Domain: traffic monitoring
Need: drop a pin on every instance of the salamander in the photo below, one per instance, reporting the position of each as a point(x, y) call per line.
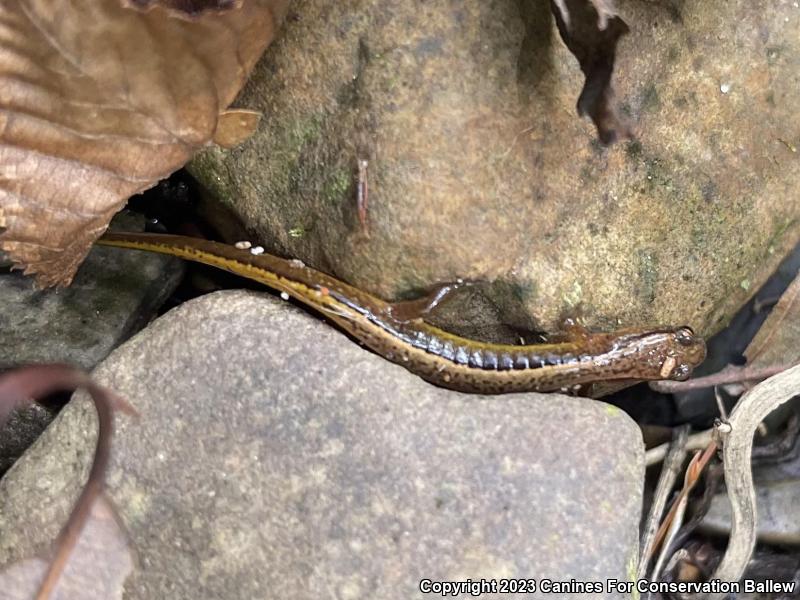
point(398, 331)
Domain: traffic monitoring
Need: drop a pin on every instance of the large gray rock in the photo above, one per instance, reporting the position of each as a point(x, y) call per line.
point(274, 458)
point(480, 168)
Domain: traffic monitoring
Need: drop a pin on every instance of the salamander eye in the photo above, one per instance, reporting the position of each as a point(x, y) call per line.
point(680, 373)
point(685, 336)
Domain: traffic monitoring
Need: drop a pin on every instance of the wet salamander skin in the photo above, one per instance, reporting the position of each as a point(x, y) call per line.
point(435, 355)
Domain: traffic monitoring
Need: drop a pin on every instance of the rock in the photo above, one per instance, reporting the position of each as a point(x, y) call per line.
point(778, 513)
point(275, 458)
point(113, 295)
point(21, 430)
point(479, 167)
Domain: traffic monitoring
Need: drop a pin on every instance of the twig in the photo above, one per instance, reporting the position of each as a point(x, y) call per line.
point(730, 374)
point(669, 474)
point(674, 526)
point(362, 195)
point(672, 522)
point(723, 414)
point(21, 386)
point(696, 441)
point(712, 478)
point(737, 450)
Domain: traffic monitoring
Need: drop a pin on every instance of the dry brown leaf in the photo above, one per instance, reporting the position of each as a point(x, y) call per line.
point(776, 341)
point(186, 7)
point(234, 126)
point(97, 567)
point(591, 30)
point(99, 101)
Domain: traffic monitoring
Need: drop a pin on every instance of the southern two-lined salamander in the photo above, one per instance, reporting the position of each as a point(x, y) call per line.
point(436, 355)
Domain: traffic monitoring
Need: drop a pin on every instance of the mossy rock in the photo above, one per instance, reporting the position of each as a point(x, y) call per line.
point(479, 167)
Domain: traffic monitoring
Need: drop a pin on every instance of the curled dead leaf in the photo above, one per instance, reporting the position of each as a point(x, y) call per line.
point(235, 126)
point(186, 7)
point(100, 101)
point(591, 30)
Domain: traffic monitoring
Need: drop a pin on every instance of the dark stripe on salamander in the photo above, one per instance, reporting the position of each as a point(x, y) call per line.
point(476, 358)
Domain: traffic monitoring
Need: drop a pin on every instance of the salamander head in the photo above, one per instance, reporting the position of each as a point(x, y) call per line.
point(683, 352)
point(668, 353)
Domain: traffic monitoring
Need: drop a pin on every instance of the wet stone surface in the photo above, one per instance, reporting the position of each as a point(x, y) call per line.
point(114, 293)
point(276, 458)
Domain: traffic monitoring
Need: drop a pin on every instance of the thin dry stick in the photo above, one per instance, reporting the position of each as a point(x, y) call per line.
point(730, 374)
point(693, 472)
point(674, 526)
point(669, 474)
point(696, 441)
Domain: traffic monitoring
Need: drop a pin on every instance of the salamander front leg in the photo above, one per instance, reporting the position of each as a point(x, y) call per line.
point(570, 331)
point(411, 310)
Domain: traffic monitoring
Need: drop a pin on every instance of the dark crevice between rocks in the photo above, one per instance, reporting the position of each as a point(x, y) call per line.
point(25, 425)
